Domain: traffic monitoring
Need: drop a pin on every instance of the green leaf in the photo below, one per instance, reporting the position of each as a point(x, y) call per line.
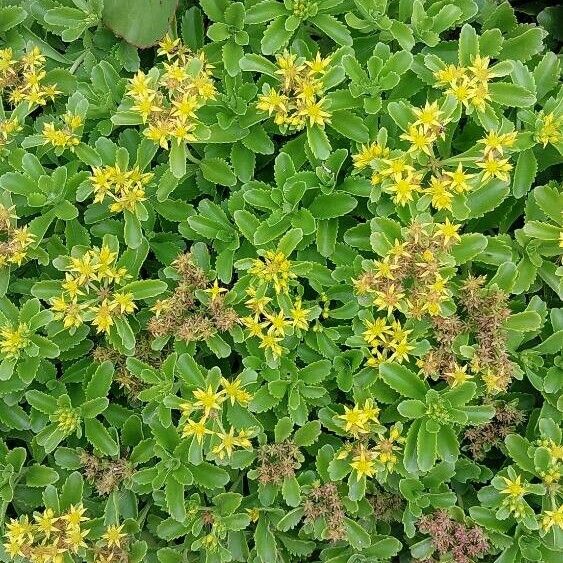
point(209, 476)
point(265, 542)
point(350, 126)
point(174, 493)
point(217, 171)
point(468, 247)
point(178, 159)
point(318, 142)
point(403, 380)
point(527, 321)
point(336, 204)
point(99, 437)
point(512, 95)
point(40, 476)
point(307, 435)
point(426, 448)
point(524, 173)
point(145, 289)
point(140, 22)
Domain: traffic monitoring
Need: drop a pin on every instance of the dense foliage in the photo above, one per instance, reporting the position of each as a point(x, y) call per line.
point(280, 281)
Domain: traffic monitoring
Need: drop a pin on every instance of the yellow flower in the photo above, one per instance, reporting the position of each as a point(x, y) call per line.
point(441, 197)
point(403, 189)
point(396, 167)
point(493, 168)
point(318, 65)
point(235, 392)
point(515, 489)
point(113, 535)
point(448, 231)
point(550, 129)
point(458, 375)
point(552, 518)
point(459, 179)
point(75, 515)
point(75, 539)
point(384, 268)
point(428, 116)
point(46, 521)
point(227, 444)
point(69, 312)
point(271, 342)
point(288, 68)
point(401, 350)
point(14, 340)
point(367, 153)
point(254, 326)
point(461, 90)
point(299, 316)
point(448, 75)
point(278, 324)
point(273, 101)
point(67, 419)
point(496, 142)
point(388, 299)
point(480, 68)
point(208, 400)
point(314, 112)
point(363, 464)
point(197, 429)
point(215, 291)
point(420, 139)
point(124, 302)
point(355, 420)
point(103, 316)
point(376, 331)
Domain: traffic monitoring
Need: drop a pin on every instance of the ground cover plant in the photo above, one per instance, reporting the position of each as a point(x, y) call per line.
point(280, 281)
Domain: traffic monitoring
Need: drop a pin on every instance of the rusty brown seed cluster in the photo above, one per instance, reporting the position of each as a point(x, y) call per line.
point(387, 506)
point(105, 474)
point(484, 312)
point(324, 502)
point(482, 438)
point(278, 462)
point(462, 543)
point(183, 316)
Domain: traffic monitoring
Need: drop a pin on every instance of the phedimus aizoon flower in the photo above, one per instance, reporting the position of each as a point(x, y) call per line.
point(420, 174)
point(203, 419)
point(275, 307)
point(298, 100)
point(94, 290)
point(15, 242)
point(168, 98)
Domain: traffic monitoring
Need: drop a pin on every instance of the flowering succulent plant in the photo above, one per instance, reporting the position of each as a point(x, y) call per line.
point(280, 281)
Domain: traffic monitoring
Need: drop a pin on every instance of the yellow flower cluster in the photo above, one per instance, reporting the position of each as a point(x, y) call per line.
point(7, 128)
point(208, 403)
point(551, 518)
point(14, 241)
point(549, 129)
point(265, 322)
point(65, 136)
point(125, 187)
point(67, 419)
point(169, 104)
point(362, 423)
point(514, 492)
point(13, 340)
point(299, 101)
point(48, 537)
point(409, 279)
point(387, 341)
point(402, 174)
point(88, 292)
point(24, 78)
point(468, 85)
